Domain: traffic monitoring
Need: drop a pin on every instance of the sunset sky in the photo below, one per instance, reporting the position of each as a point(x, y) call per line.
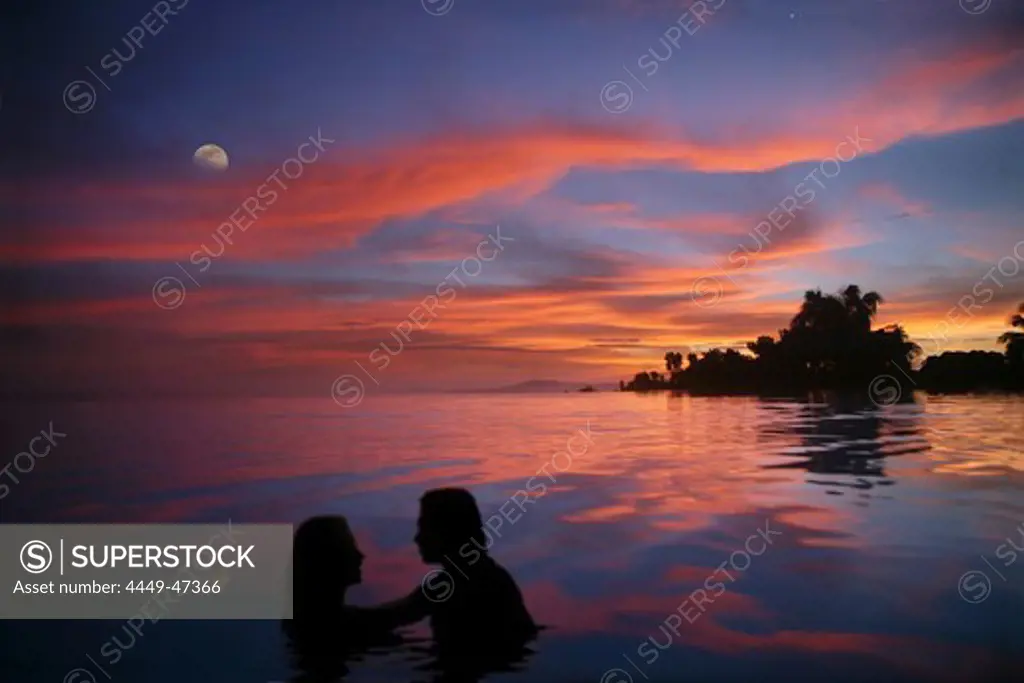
point(619, 188)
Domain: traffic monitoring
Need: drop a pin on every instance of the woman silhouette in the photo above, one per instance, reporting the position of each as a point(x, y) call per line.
point(324, 633)
point(325, 562)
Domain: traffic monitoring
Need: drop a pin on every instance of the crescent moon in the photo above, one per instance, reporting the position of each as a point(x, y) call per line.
point(211, 156)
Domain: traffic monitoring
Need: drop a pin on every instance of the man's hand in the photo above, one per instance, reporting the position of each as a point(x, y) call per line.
point(407, 610)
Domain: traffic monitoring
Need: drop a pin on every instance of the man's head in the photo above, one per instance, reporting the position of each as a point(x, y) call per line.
point(449, 518)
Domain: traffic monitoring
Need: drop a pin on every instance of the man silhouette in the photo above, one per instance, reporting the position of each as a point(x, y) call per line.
point(477, 614)
point(482, 596)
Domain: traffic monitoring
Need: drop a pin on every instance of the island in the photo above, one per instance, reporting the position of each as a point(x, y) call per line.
point(830, 345)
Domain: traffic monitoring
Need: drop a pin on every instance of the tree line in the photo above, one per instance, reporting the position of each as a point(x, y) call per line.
point(830, 345)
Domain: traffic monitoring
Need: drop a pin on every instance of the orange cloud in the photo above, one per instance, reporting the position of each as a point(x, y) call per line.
point(331, 206)
point(889, 195)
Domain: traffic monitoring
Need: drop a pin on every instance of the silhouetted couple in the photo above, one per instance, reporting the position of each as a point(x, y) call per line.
point(477, 614)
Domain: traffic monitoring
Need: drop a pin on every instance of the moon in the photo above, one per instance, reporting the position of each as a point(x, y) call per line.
point(211, 156)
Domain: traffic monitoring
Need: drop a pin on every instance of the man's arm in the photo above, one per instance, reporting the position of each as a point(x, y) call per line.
point(400, 612)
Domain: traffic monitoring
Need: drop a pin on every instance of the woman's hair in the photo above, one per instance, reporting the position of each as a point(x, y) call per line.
point(322, 547)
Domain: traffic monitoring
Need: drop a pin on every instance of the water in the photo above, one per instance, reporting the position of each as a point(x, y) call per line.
point(874, 517)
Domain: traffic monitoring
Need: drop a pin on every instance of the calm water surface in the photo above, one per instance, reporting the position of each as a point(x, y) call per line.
point(874, 517)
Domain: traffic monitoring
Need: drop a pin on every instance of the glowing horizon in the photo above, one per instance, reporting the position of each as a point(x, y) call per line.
point(667, 225)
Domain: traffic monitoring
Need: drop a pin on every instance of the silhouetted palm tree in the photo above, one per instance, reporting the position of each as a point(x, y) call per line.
point(1014, 341)
point(861, 309)
point(848, 308)
point(673, 361)
point(811, 310)
point(828, 337)
point(763, 347)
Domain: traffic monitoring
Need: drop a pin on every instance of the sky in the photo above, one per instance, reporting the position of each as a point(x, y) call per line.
point(454, 194)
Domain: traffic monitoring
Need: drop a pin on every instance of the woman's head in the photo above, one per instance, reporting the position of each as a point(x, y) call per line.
point(325, 558)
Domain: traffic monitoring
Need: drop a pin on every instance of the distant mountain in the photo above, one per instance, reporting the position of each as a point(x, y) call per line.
point(536, 386)
point(546, 386)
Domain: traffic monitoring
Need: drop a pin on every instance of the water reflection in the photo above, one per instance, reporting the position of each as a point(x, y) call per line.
point(881, 511)
point(319, 661)
point(849, 437)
